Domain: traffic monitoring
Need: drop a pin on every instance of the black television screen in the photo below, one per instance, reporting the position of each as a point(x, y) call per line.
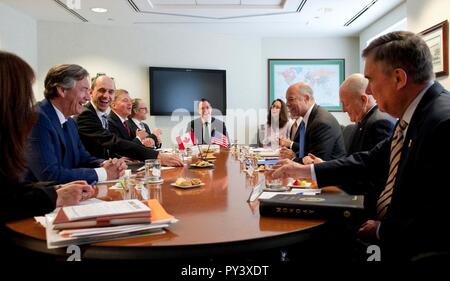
point(175, 88)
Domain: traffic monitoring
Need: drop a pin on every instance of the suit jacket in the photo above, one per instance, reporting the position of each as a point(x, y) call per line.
point(49, 154)
point(196, 125)
point(27, 200)
point(375, 127)
point(323, 136)
point(101, 142)
point(117, 128)
point(134, 127)
point(419, 204)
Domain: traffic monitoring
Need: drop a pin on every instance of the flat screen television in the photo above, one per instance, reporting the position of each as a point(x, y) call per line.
point(175, 88)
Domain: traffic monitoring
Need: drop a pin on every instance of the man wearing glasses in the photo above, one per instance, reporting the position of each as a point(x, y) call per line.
point(136, 119)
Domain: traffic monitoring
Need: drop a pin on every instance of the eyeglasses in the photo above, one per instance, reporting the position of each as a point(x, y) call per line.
point(143, 108)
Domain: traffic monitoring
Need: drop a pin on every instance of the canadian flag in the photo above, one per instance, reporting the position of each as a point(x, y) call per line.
point(186, 140)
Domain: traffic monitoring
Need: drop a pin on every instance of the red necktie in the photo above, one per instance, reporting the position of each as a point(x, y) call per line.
point(125, 124)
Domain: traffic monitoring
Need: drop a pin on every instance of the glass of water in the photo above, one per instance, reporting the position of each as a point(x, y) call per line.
point(152, 170)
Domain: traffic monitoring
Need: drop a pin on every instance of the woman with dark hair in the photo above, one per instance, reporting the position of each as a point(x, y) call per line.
point(277, 124)
point(17, 116)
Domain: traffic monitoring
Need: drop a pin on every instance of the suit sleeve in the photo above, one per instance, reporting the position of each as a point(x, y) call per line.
point(26, 200)
point(324, 140)
point(43, 161)
point(86, 159)
point(356, 167)
point(381, 130)
point(93, 131)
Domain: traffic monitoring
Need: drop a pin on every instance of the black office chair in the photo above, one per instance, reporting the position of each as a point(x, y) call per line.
point(347, 133)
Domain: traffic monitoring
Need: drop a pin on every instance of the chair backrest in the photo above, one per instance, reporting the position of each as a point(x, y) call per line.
point(347, 133)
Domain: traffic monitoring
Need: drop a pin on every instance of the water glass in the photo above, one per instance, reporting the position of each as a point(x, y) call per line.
point(152, 170)
point(272, 182)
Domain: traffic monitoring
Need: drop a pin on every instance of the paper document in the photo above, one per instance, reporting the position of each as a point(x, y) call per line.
point(299, 191)
point(105, 209)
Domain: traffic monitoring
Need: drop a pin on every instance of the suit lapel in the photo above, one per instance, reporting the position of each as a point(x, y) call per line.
point(133, 127)
point(311, 117)
point(48, 109)
point(71, 133)
point(119, 124)
point(415, 125)
point(147, 129)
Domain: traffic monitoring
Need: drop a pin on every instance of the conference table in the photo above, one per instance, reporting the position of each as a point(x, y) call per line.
point(215, 219)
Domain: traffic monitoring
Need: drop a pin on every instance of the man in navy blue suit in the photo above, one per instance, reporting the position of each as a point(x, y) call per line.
point(56, 152)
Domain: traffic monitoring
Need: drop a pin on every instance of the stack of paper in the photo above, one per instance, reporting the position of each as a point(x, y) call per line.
point(267, 153)
point(105, 221)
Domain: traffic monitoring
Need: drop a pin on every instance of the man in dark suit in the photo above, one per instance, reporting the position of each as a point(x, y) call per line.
point(318, 133)
point(118, 120)
point(136, 119)
point(205, 126)
point(94, 131)
point(56, 152)
point(372, 127)
point(410, 217)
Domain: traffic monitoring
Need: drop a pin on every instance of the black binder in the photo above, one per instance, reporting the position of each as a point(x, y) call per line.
point(325, 205)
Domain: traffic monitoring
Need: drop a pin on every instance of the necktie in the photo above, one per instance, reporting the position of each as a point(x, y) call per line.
point(301, 143)
point(69, 158)
point(396, 150)
point(141, 125)
point(293, 130)
point(206, 134)
point(105, 121)
point(127, 128)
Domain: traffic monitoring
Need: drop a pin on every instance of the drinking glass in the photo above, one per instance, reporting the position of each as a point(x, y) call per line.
point(152, 170)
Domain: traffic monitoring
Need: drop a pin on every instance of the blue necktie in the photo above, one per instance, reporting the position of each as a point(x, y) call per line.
point(69, 157)
point(301, 140)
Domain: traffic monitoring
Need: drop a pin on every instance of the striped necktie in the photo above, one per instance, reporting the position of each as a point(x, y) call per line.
point(396, 151)
point(105, 121)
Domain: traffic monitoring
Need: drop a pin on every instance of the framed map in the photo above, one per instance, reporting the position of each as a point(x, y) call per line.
point(324, 76)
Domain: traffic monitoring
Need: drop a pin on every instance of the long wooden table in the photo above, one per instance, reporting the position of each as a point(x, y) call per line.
point(214, 219)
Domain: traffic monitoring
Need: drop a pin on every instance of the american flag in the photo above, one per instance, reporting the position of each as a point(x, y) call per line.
point(220, 139)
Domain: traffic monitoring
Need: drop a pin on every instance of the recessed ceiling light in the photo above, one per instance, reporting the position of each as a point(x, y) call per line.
point(99, 10)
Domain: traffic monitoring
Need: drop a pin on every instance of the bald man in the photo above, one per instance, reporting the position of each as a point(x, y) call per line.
point(318, 133)
point(373, 125)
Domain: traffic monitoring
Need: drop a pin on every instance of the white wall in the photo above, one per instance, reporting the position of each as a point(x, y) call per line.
point(125, 53)
point(18, 34)
point(425, 14)
point(379, 26)
point(312, 48)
